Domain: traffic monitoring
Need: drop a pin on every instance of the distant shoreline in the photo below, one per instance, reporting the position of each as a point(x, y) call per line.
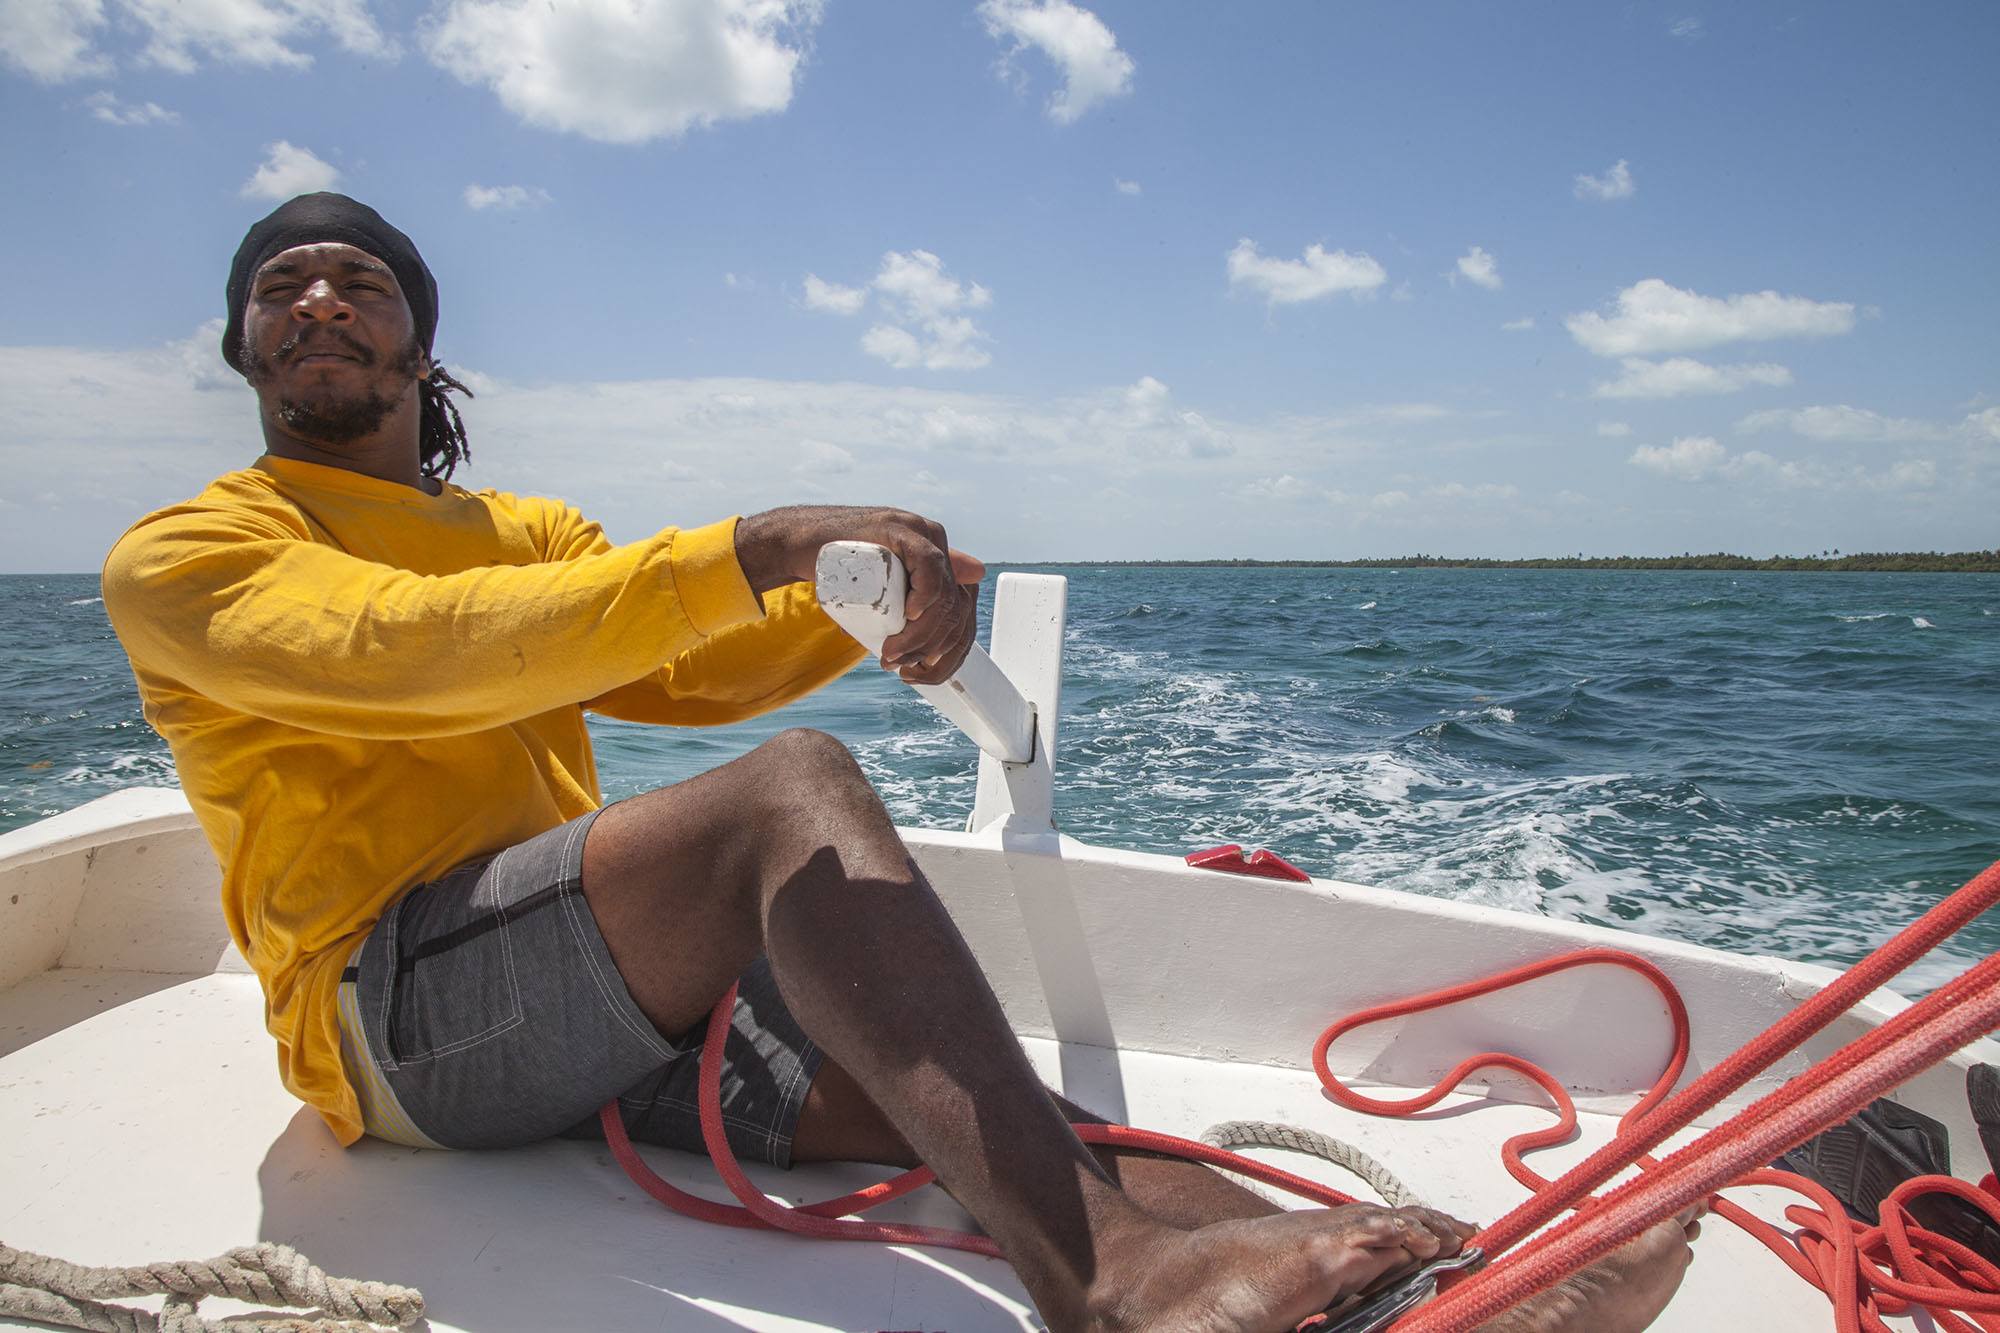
point(1908, 562)
point(1862, 562)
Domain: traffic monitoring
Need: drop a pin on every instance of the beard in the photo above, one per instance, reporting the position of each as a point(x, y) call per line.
point(329, 416)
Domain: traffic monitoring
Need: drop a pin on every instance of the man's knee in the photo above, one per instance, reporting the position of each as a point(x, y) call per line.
point(812, 777)
point(807, 756)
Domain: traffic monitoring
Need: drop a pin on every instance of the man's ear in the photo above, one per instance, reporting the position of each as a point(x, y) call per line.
point(423, 366)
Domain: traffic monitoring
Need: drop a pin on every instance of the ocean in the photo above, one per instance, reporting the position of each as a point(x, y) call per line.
point(1793, 764)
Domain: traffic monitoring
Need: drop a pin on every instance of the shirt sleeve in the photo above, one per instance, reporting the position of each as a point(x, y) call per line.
point(744, 670)
point(752, 665)
point(236, 607)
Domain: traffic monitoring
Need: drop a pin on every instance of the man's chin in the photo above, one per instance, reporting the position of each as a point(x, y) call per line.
point(332, 421)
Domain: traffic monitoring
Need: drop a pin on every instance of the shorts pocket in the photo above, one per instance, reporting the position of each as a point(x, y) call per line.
point(449, 991)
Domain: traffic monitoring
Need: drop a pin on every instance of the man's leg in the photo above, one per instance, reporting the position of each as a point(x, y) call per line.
point(1619, 1294)
point(839, 1124)
point(789, 852)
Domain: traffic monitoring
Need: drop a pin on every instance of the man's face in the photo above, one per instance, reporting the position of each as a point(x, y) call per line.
point(329, 343)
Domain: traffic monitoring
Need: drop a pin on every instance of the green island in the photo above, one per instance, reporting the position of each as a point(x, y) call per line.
point(1899, 562)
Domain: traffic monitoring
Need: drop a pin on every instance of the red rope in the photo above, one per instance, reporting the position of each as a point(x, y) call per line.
point(1866, 1271)
point(1871, 973)
point(1938, 1025)
point(1512, 1149)
point(830, 1219)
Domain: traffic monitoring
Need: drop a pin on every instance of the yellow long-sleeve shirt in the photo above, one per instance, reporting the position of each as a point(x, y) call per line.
point(364, 685)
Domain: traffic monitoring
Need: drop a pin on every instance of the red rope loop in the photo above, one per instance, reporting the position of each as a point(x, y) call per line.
point(831, 1219)
point(1867, 1272)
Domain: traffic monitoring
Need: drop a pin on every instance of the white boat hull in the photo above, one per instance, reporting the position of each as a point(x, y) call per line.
point(141, 1116)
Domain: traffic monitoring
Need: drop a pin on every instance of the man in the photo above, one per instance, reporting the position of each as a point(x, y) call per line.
point(374, 683)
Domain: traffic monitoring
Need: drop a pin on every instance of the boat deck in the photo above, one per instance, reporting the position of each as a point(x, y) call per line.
point(141, 1118)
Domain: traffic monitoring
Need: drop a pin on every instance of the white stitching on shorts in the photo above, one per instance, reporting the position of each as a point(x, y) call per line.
point(392, 916)
point(784, 1103)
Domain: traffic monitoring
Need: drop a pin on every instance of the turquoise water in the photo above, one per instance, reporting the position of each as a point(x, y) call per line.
point(1782, 763)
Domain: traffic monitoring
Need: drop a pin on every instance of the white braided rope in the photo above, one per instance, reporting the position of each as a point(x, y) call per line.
point(1267, 1134)
point(55, 1291)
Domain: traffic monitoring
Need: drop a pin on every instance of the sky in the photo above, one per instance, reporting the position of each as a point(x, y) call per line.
point(1127, 281)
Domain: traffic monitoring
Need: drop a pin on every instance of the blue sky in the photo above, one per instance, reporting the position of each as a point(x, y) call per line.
point(1125, 280)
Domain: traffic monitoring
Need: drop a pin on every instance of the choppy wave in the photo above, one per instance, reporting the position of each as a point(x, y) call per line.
point(1767, 765)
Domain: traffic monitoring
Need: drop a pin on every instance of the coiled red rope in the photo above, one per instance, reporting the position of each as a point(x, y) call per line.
point(1867, 1272)
point(1927, 1032)
point(831, 1219)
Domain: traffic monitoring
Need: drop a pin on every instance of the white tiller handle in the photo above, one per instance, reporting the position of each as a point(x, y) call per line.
point(862, 585)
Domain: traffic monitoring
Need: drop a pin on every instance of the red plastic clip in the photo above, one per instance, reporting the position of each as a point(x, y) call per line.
point(1229, 858)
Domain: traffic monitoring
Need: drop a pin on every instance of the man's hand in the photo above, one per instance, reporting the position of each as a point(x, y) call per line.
point(941, 611)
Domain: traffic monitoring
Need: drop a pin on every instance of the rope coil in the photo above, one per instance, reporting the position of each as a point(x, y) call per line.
point(56, 1291)
point(1293, 1138)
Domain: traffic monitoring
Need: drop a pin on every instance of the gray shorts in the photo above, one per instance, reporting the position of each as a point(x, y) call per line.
point(483, 1011)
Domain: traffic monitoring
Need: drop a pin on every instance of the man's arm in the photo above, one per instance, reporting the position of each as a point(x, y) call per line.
point(781, 546)
point(759, 665)
point(269, 623)
point(742, 671)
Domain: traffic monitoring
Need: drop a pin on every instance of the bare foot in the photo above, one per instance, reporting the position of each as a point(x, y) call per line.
point(1259, 1275)
point(1620, 1293)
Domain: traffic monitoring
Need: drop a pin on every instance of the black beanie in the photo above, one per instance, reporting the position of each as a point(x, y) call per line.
point(312, 219)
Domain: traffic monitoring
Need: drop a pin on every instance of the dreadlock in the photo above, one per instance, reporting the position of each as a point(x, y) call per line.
point(443, 445)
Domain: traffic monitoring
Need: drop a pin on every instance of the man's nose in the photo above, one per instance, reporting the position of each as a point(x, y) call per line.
point(319, 303)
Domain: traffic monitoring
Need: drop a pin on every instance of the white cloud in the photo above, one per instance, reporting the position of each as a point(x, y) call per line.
point(1398, 414)
point(1654, 316)
point(1076, 40)
point(51, 39)
point(899, 347)
point(1616, 183)
point(923, 308)
point(1702, 458)
point(107, 107)
point(1687, 29)
point(1613, 430)
point(1913, 474)
point(1287, 489)
point(288, 171)
point(1680, 376)
point(916, 289)
point(1146, 416)
point(831, 296)
point(1840, 422)
point(1486, 490)
point(916, 280)
point(505, 197)
point(157, 423)
point(1688, 459)
point(1288, 281)
point(1521, 325)
point(949, 425)
point(252, 32)
point(1480, 268)
point(1124, 186)
point(625, 72)
point(1983, 425)
point(817, 457)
